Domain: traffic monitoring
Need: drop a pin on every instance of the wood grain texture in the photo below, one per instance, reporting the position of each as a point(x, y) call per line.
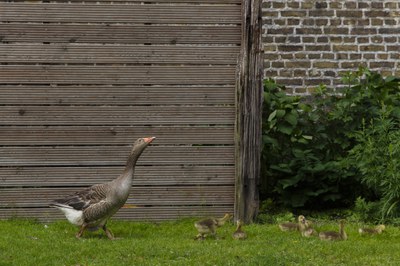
point(81, 80)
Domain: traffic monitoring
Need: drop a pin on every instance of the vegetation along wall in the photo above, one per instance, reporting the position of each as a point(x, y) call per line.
point(309, 42)
point(80, 81)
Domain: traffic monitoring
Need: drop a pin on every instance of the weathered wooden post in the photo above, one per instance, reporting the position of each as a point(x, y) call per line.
point(249, 94)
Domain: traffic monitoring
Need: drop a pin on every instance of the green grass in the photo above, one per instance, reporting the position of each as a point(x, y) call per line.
point(171, 243)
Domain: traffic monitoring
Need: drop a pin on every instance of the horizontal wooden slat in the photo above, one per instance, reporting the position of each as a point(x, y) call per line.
point(156, 213)
point(142, 196)
point(196, 2)
point(144, 175)
point(116, 115)
point(117, 54)
point(116, 95)
point(106, 13)
point(114, 155)
point(119, 135)
point(123, 34)
point(152, 75)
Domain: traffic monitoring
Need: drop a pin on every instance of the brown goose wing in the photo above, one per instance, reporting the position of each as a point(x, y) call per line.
point(84, 198)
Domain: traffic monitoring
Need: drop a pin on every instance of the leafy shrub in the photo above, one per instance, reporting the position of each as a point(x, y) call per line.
point(306, 142)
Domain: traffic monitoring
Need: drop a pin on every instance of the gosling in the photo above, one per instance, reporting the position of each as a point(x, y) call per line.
point(239, 233)
point(210, 225)
point(288, 226)
point(372, 231)
point(332, 236)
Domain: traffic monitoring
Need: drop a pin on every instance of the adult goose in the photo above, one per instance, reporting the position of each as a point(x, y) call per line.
point(92, 207)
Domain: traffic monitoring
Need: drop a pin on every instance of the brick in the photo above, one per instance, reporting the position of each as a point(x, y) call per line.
point(391, 31)
point(286, 81)
point(381, 64)
point(328, 56)
point(278, 5)
point(335, 22)
point(314, 56)
point(280, 31)
point(271, 56)
point(390, 22)
point(394, 56)
point(349, 13)
point(323, 39)
point(307, 39)
point(288, 56)
point(321, 13)
point(294, 39)
point(349, 39)
point(377, 5)
point(266, 64)
point(307, 5)
point(321, 22)
point(318, 48)
point(290, 48)
point(298, 64)
point(362, 39)
point(362, 22)
point(299, 73)
point(336, 5)
point(270, 13)
point(336, 30)
point(363, 5)
point(376, 39)
point(382, 56)
point(342, 56)
point(341, 48)
point(336, 39)
point(280, 22)
point(266, 4)
point(321, 5)
point(269, 47)
point(285, 73)
point(277, 64)
point(390, 39)
point(349, 64)
point(369, 56)
point(393, 48)
point(293, 4)
point(292, 21)
point(312, 31)
point(391, 5)
point(316, 82)
point(349, 22)
point(280, 39)
point(363, 31)
point(300, 56)
point(375, 48)
point(377, 13)
point(271, 73)
point(355, 56)
point(309, 22)
point(324, 64)
point(330, 73)
point(350, 5)
point(376, 22)
point(293, 13)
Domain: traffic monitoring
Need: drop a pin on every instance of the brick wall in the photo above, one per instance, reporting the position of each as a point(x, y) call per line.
point(308, 42)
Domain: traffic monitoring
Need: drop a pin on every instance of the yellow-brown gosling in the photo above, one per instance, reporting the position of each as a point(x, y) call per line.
point(306, 229)
point(209, 226)
point(331, 235)
point(288, 226)
point(239, 233)
point(372, 231)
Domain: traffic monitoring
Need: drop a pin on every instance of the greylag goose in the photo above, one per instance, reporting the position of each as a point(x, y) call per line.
point(92, 207)
point(210, 225)
point(239, 233)
point(288, 226)
point(372, 231)
point(331, 235)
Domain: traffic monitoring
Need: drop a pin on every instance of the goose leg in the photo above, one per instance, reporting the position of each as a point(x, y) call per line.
point(108, 233)
point(79, 234)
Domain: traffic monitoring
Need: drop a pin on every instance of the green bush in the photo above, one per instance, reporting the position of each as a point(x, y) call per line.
point(306, 141)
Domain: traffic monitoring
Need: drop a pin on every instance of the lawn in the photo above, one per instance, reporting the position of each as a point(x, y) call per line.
point(171, 243)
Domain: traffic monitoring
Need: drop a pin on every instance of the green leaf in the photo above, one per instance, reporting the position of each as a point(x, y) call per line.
point(291, 119)
point(272, 116)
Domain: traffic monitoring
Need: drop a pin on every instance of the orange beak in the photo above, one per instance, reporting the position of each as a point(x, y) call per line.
point(150, 139)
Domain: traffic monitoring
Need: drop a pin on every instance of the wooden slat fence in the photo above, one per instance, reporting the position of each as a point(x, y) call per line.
point(81, 80)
